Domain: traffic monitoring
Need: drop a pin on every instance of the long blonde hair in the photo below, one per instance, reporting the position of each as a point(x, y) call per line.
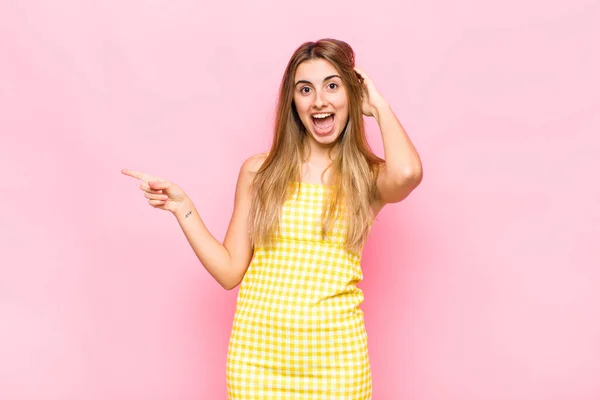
point(354, 169)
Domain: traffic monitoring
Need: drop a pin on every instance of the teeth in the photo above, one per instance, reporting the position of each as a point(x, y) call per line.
point(321, 115)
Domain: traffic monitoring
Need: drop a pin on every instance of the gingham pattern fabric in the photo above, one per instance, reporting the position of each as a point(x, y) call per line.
point(298, 330)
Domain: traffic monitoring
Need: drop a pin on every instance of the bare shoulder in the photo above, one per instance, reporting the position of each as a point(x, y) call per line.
point(253, 164)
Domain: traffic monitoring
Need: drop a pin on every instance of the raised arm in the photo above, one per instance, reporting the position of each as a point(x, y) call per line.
point(402, 171)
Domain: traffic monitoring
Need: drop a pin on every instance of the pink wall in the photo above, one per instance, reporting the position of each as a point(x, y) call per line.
point(482, 285)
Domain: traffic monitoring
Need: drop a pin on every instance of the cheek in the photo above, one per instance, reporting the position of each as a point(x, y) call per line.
point(344, 117)
point(341, 102)
point(300, 105)
point(342, 109)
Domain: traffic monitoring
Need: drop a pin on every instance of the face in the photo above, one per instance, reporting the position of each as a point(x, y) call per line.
point(321, 100)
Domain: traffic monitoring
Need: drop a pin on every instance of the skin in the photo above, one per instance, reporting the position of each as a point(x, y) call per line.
point(318, 90)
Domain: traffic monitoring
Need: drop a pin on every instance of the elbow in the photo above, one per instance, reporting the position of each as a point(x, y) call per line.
point(417, 176)
point(229, 287)
point(410, 177)
point(230, 284)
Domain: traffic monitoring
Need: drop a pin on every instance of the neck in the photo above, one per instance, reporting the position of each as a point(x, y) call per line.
point(318, 160)
point(318, 154)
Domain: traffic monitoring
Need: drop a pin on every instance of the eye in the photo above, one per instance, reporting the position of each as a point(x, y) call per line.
point(332, 86)
point(304, 89)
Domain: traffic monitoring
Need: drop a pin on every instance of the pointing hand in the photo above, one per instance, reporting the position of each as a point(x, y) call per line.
point(160, 193)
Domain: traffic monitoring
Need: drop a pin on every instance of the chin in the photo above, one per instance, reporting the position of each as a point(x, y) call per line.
point(325, 140)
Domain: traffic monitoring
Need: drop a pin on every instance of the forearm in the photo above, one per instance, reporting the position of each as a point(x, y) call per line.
point(212, 254)
point(401, 156)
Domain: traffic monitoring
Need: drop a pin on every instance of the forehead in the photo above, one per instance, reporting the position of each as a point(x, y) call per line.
point(315, 70)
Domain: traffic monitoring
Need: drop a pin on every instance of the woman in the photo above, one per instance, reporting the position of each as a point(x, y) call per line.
point(301, 216)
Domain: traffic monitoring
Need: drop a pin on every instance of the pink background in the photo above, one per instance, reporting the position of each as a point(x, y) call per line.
point(483, 284)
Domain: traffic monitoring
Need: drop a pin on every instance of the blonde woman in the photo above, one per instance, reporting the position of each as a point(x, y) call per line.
point(302, 213)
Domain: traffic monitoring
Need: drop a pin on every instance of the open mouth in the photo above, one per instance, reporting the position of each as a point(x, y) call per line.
point(323, 123)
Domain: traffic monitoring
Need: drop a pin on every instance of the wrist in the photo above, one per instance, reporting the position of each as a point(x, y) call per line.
point(381, 108)
point(185, 208)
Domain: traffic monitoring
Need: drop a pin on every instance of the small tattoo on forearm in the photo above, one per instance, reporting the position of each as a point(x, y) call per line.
point(187, 214)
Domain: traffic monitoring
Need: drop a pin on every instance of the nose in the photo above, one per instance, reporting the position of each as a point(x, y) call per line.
point(320, 100)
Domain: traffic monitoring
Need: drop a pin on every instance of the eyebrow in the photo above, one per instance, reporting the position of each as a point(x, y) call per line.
point(324, 80)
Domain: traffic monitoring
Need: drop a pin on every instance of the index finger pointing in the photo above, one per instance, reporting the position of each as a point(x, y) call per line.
point(138, 175)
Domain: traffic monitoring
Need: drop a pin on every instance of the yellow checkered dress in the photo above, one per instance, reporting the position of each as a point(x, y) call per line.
point(298, 330)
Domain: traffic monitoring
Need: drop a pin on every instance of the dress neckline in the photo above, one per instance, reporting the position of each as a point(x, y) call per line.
point(323, 185)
